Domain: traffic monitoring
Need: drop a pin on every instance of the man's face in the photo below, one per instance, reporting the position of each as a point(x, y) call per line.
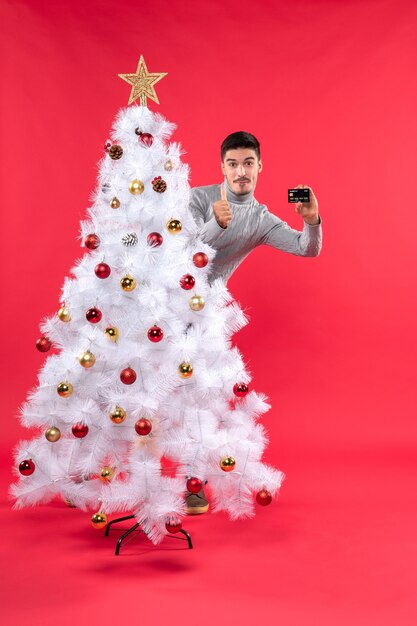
point(241, 168)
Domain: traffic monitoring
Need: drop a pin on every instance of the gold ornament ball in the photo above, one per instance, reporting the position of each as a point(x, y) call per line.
point(185, 370)
point(112, 333)
point(128, 283)
point(196, 303)
point(169, 165)
point(53, 434)
point(174, 226)
point(107, 474)
point(65, 389)
point(115, 203)
point(99, 520)
point(227, 463)
point(136, 187)
point(118, 415)
point(64, 314)
point(87, 359)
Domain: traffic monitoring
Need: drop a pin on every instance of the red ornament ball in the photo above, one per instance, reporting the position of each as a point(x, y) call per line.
point(80, 430)
point(240, 389)
point(143, 426)
point(155, 334)
point(128, 376)
point(155, 239)
point(43, 344)
point(27, 467)
point(173, 528)
point(263, 497)
point(194, 485)
point(200, 259)
point(187, 281)
point(102, 270)
point(145, 139)
point(93, 315)
point(92, 241)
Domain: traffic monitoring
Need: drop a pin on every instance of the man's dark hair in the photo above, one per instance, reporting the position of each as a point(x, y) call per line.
point(240, 139)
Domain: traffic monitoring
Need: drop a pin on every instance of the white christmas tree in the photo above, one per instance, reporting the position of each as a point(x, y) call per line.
point(145, 395)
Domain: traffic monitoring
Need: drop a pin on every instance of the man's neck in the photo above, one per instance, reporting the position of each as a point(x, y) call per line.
point(234, 198)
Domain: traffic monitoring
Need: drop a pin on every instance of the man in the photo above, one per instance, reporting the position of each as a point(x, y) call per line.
point(233, 222)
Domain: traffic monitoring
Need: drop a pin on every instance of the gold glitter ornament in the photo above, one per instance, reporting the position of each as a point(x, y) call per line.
point(136, 187)
point(142, 83)
point(185, 370)
point(112, 333)
point(196, 303)
point(115, 203)
point(65, 389)
point(52, 434)
point(174, 226)
point(99, 520)
point(64, 314)
point(118, 415)
point(128, 283)
point(87, 359)
point(169, 165)
point(107, 474)
point(227, 463)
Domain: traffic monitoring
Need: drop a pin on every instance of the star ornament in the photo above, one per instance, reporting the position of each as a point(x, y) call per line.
point(142, 83)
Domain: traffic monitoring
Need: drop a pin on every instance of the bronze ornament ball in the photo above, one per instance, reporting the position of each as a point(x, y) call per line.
point(115, 203)
point(64, 314)
point(99, 520)
point(107, 474)
point(227, 463)
point(174, 226)
point(185, 370)
point(64, 389)
point(196, 303)
point(112, 333)
point(128, 283)
point(52, 434)
point(136, 187)
point(87, 359)
point(169, 165)
point(118, 415)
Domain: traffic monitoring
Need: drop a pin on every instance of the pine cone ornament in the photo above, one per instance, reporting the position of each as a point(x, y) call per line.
point(131, 239)
point(159, 185)
point(115, 152)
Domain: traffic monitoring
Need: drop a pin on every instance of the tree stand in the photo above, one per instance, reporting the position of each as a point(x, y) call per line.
point(135, 527)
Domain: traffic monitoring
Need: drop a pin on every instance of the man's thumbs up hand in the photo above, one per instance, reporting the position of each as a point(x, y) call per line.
point(221, 209)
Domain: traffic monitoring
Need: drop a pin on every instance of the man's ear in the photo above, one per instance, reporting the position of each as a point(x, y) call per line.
point(260, 166)
point(222, 166)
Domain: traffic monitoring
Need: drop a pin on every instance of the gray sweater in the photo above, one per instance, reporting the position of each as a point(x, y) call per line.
point(252, 225)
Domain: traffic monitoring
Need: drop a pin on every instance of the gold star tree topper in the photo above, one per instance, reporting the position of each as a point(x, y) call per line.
point(142, 83)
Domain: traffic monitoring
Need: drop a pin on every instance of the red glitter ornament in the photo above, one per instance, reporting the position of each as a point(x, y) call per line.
point(102, 270)
point(155, 334)
point(93, 315)
point(187, 281)
point(43, 344)
point(92, 241)
point(263, 497)
point(155, 239)
point(200, 259)
point(173, 527)
point(194, 485)
point(80, 430)
point(143, 426)
point(240, 389)
point(146, 139)
point(128, 376)
point(27, 467)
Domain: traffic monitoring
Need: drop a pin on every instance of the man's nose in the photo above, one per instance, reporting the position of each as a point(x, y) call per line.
point(241, 169)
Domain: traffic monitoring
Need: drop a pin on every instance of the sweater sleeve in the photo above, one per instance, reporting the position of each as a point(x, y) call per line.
point(278, 234)
point(202, 212)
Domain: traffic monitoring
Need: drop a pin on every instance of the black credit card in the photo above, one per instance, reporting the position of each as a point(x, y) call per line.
point(298, 195)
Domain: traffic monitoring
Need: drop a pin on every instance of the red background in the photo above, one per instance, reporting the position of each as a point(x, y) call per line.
point(329, 89)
